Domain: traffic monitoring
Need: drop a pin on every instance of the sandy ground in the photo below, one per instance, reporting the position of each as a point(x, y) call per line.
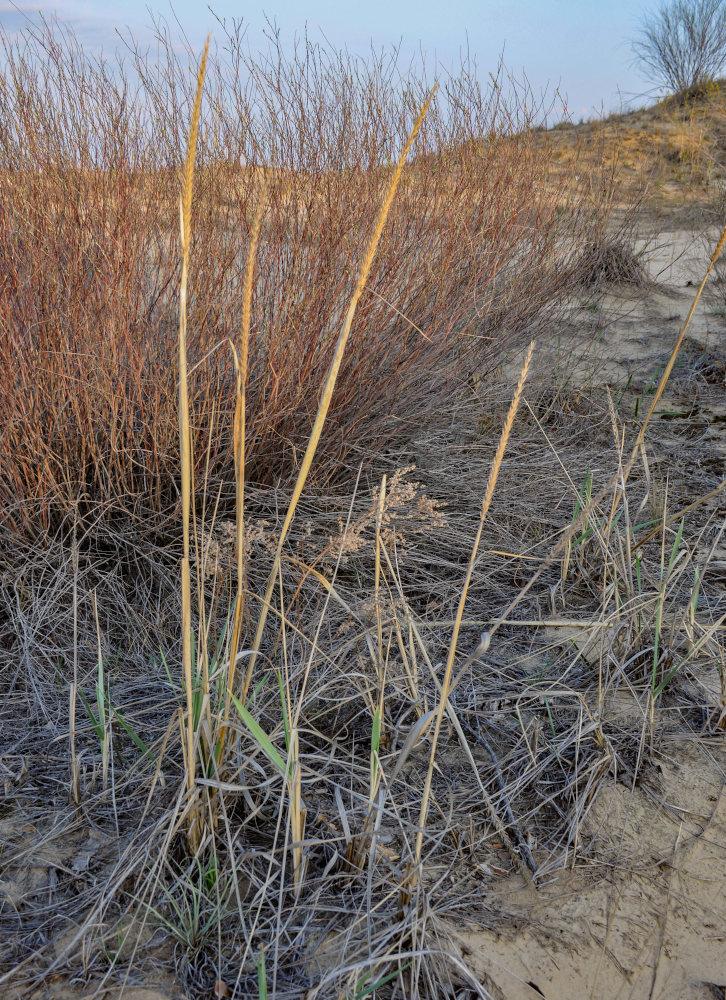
point(647, 916)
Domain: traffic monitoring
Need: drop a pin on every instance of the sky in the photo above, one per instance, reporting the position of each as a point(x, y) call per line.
point(580, 46)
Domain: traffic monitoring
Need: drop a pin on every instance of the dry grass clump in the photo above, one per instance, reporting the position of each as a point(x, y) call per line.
point(359, 654)
point(540, 712)
point(470, 262)
point(610, 261)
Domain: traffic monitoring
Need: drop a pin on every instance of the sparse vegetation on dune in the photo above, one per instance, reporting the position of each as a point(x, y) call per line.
point(671, 151)
point(318, 636)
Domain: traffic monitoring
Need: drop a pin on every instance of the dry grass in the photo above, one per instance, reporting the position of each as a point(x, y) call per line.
point(377, 690)
point(535, 708)
point(671, 154)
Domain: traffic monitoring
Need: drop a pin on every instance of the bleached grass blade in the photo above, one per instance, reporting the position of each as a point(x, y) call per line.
point(240, 431)
point(185, 447)
point(446, 685)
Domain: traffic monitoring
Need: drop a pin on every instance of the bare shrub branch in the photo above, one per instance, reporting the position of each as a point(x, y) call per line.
point(480, 248)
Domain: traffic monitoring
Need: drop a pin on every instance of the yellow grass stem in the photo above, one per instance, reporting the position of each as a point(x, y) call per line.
point(377, 579)
point(674, 354)
point(75, 764)
point(185, 447)
point(298, 812)
point(681, 513)
point(240, 430)
point(446, 685)
point(329, 387)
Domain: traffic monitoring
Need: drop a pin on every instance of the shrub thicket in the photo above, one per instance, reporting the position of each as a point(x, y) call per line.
point(481, 244)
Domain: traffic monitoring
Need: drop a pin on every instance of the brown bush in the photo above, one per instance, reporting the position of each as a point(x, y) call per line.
point(471, 263)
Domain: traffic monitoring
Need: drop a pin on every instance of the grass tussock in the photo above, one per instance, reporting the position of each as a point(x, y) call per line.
point(611, 262)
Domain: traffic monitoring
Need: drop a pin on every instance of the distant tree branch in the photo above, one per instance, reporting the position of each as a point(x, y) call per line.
point(683, 44)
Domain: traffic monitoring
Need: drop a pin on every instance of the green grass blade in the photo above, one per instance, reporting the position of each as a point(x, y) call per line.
point(260, 737)
point(283, 704)
point(138, 742)
point(261, 970)
point(94, 721)
point(360, 994)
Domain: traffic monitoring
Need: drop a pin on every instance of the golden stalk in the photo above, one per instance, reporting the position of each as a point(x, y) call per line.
point(328, 389)
point(377, 584)
point(240, 425)
point(298, 812)
point(446, 685)
point(185, 448)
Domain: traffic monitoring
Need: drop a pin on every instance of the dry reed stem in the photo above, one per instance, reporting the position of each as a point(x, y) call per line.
point(240, 430)
point(185, 445)
point(446, 685)
point(102, 709)
point(377, 575)
point(75, 764)
point(674, 354)
point(681, 513)
point(297, 812)
point(328, 388)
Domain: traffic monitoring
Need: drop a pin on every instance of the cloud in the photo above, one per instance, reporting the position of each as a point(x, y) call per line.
point(65, 10)
point(94, 28)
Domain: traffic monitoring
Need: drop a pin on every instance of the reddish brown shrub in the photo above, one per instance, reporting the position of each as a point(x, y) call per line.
point(480, 250)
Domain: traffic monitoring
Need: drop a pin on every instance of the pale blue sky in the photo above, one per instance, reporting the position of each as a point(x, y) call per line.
point(580, 45)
